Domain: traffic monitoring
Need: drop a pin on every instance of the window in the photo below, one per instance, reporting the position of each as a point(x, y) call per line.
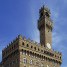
point(60, 57)
point(12, 47)
point(23, 43)
point(27, 45)
point(24, 60)
point(23, 52)
point(35, 48)
point(41, 50)
point(38, 49)
point(41, 15)
point(31, 61)
point(31, 46)
point(47, 14)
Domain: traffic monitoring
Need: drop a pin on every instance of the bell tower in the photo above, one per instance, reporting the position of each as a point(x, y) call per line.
point(45, 26)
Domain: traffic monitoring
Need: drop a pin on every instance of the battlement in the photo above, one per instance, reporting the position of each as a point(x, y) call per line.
point(30, 45)
point(12, 42)
point(27, 40)
point(38, 44)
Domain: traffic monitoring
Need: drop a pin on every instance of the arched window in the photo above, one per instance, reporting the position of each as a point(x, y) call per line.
point(22, 43)
point(27, 45)
point(35, 48)
point(31, 46)
point(38, 49)
point(47, 14)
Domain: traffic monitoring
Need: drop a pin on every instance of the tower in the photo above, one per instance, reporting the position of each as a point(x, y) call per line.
point(45, 27)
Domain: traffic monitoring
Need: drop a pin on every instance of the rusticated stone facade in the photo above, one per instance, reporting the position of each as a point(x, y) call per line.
point(23, 52)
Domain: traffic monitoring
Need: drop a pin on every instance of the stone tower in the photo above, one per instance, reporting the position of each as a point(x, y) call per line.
point(45, 26)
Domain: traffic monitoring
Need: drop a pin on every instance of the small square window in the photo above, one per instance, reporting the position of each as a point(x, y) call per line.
point(24, 60)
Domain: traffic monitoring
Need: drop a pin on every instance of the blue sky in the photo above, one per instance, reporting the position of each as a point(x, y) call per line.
point(20, 17)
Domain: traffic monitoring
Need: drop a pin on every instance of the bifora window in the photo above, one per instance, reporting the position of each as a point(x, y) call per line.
point(23, 43)
point(35, 48)
point(31, 61)
point(31, 46)
point(27, 45)
point(24, 60)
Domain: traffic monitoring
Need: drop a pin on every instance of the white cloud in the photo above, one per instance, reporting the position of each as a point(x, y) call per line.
point(36, 36)
point(65, 1)
point(56, 38)
point(59, 42)
point(54, 14)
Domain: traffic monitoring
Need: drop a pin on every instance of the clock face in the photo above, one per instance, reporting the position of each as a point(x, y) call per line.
point(48, 46)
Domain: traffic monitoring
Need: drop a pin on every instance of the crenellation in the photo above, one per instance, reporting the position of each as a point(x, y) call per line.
point(35, 45)
point(50, 52)
point(10, 44)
